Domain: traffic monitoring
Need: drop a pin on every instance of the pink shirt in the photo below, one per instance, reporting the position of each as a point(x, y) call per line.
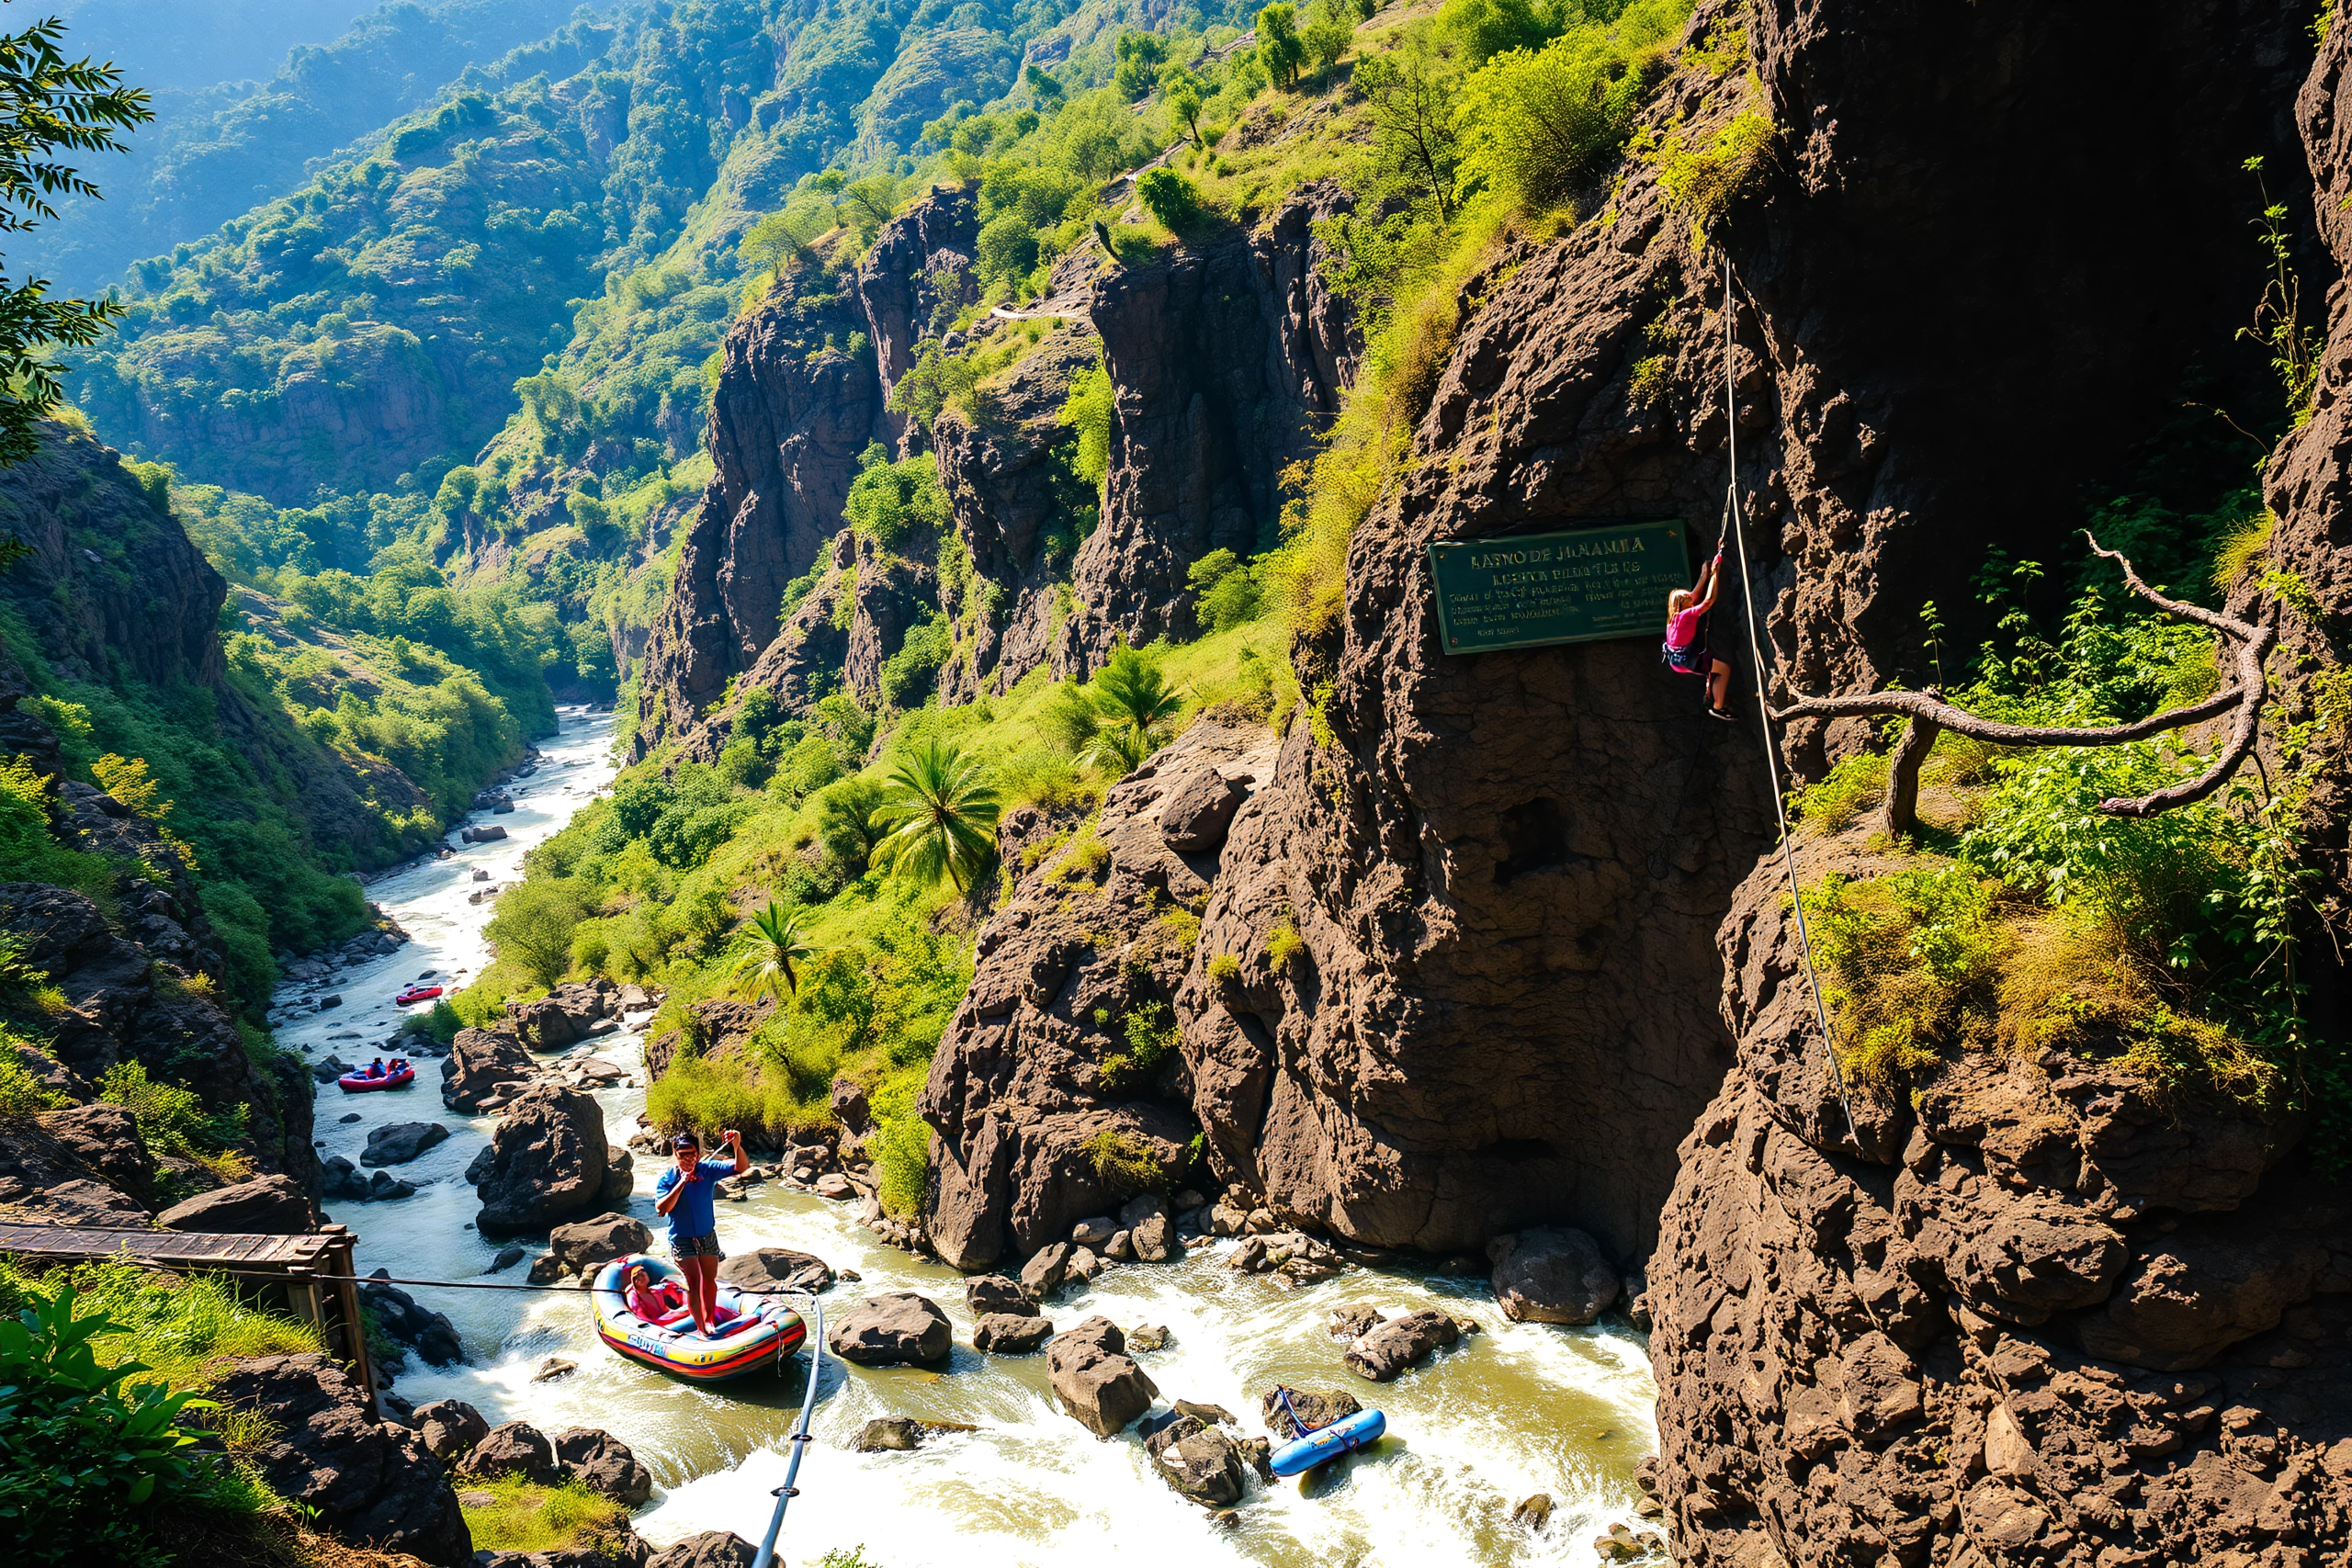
point(1682, 627)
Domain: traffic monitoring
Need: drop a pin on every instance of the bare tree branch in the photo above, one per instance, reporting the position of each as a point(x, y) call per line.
point(1930, 714)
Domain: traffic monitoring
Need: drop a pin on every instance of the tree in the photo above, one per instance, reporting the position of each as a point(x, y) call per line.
point(1169, 196)
point(532, 927)
point(770, 968)
point(845, 823)
point(779, 243)
point(1411, 98)
point(1136, 706)
point(1930, 715)
point(940, 815)
point(1045, 88)
point(1278, 47)
point(1331, 29)
point(1140, 57)
point(48, 104)
point(1182, 90)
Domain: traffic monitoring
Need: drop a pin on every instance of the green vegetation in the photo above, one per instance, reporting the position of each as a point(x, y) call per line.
point(2025, 918)
point(101, 1370)
point(173, 1121)
point(55, 106)
point(858, 869)
point(524, 1517)
point(1487, 117)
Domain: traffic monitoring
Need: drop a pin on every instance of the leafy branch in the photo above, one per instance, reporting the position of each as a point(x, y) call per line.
point(1930, 715)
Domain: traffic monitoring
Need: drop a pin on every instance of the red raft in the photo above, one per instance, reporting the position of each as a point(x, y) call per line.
point(416, 994)
point(360, 1083)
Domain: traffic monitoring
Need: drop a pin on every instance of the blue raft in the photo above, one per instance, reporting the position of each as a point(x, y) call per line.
point(1325, 1443)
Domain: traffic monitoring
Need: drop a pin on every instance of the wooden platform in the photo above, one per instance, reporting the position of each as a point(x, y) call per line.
point(172, 1248)
point(313, 1274)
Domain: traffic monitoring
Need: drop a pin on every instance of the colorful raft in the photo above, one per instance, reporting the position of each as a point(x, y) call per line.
point(1325, 1443)
point(416, 994)
point(761, 1332)
point(360, 1083)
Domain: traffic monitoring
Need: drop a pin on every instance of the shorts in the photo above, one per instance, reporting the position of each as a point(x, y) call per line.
point(696, 1246)
point(1691, 661)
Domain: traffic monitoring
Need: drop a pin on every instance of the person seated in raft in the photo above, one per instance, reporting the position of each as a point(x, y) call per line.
point(376, 1068)
point(660, 1305)
point(1687, 651)
point(684, 1195)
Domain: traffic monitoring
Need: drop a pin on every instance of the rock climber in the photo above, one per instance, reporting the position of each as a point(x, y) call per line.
point(684, 1196)
point(1687, 649)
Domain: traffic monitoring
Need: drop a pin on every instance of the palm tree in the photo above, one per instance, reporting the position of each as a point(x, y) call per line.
point(770, 968)
point(1137, 704)
point(940, 815)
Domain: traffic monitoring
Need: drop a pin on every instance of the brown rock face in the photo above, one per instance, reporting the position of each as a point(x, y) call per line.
point(1026, 1078)
point(899, 288)
point(1227, 362)
point(371, 1482)
point(2025, 1313)
point(547, 1163)
point(786, 425)
point(1507, 866)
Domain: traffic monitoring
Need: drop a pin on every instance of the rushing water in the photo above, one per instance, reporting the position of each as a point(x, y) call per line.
point(1519, 1409)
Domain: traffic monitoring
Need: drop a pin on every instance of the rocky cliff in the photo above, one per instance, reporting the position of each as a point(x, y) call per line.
point(2036, 1313)
point(1226, 358)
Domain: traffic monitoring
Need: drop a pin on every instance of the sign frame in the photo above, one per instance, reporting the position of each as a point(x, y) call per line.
point(1661, 540)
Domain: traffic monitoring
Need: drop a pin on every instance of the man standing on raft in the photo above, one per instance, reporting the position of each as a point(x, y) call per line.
point(684, 1196)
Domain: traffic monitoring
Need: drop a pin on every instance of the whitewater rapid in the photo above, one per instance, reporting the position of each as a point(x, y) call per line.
point(1518, 1409)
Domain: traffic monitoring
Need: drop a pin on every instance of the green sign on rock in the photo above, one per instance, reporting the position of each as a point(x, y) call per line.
point(1608, 580)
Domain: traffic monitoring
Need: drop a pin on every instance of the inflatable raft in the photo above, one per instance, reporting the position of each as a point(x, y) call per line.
point(360, 1083)
point(416, 994)
point(761, 1331)
point(1324, 1443)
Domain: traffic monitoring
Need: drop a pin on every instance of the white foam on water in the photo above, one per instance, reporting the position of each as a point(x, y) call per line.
point(1517, 1409)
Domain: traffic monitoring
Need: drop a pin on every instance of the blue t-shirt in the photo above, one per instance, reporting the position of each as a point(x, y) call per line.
point(691, 1216)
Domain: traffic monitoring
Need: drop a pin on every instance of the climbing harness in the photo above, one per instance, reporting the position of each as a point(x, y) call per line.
point(1764, 707)
point(799, 1439)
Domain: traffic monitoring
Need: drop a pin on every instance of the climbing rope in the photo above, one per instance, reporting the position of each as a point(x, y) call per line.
point(1764, 708)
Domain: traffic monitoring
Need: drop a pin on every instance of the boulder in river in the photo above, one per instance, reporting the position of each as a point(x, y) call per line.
point(583, 1245)
point(605, 1464)
point(1552, 1275)
point(401, 1142)
point(1098, 1383)
point(1010, 1333)
point(1043, 1273)
point(266, 1205)
point(557, 1019)
point(517, 1447)
point(406, 1321)
point(709, 1549)
point(369, 1480)
point(1198, 1458)
point(482, 1065)
point(773, 1270)
point(901, 1434)
point(548, 1162)
point(1398, 1346)
point(1315, 1407)
point(450, 1428)
point(1093, 1233)
point(894, 1328)
point(484, 833)
point(987, 1293)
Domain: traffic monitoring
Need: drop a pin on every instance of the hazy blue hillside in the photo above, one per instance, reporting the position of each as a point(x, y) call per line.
point(239, 119)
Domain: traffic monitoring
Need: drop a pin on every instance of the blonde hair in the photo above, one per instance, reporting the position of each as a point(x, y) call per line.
point(1678, 600)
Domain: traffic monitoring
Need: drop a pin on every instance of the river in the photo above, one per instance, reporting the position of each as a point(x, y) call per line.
point(1519, 1409)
